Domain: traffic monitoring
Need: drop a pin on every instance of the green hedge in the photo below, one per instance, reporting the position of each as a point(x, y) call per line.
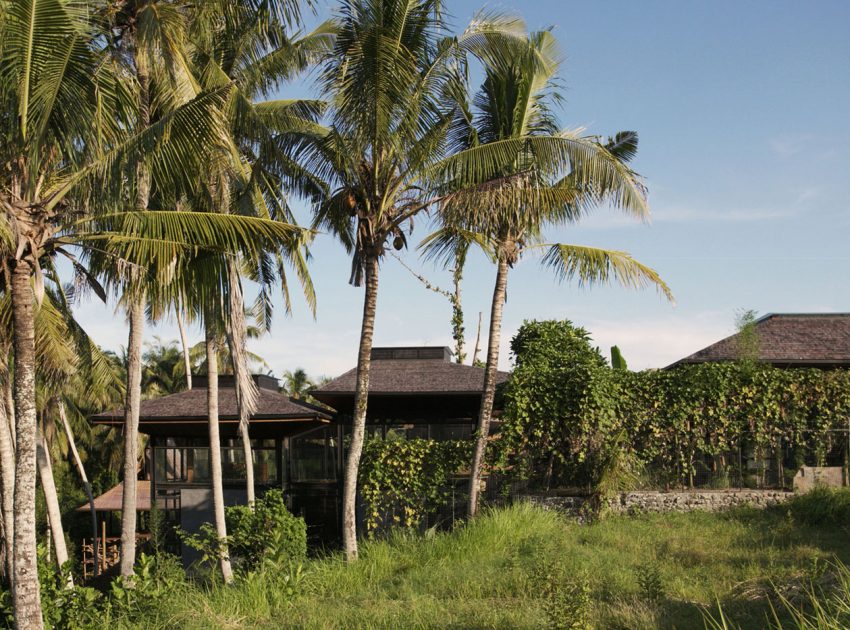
point(564, 407)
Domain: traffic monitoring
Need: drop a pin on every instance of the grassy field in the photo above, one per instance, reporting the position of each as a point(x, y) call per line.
point(522, 567)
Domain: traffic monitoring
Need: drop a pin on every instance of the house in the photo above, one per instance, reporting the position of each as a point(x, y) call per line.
point(415, 392)
point(788, 340)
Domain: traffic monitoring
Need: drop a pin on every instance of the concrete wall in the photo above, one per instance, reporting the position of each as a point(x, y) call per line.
point(651, 501)
point(196, 508)
point(810, 476)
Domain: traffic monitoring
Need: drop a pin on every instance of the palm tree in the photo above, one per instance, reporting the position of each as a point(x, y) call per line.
point(253, 51)
point(387, 83)
point(66, 138)
point(383, 132)
point(162, 369)
point(198, 354)
point(68, 365)
point(248, 48)
point(149, 36)
point(514, 174)
point(297, 384)
point(153, 37)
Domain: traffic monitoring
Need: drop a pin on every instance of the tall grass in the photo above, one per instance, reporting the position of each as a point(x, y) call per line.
point(506, 568)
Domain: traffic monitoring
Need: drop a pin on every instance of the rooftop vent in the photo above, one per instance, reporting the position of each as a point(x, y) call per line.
point(434, 353)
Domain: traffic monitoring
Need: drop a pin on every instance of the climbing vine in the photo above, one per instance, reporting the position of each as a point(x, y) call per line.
point(402, 481)
point(564, 405)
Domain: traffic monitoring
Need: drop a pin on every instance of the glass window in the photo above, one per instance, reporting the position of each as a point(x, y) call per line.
point(235, 441)
point(233, 465)
point(265, 465)
point(192, 465)
point(170, 464)
point(198, 465)
point(313, 456)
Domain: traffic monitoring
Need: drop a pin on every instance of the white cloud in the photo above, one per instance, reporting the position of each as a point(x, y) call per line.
point(789, 145)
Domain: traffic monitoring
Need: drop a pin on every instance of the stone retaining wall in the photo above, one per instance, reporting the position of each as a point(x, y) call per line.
point(652, 501)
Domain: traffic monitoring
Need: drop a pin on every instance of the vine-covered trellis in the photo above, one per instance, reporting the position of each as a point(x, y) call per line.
point(565, 409)
point(402, 481)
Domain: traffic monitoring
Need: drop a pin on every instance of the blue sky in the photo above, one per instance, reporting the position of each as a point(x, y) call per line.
point(743, 111)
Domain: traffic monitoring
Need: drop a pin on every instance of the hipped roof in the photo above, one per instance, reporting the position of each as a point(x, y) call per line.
point(423, 371)
point(110, 501)
point(788, 339)
point(192, 405)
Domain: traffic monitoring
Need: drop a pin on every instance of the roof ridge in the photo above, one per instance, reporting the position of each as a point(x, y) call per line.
point(822, 339)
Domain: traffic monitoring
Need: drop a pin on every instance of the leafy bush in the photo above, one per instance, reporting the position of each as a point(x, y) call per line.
point(267, 531)
point(559, 390)
point(156, 578)
point(821, 506)
point(567, 601)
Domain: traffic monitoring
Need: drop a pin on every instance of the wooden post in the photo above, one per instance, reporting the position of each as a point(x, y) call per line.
point(103, 545)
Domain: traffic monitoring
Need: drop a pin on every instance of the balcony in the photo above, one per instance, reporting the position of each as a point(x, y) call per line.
point(191, 465)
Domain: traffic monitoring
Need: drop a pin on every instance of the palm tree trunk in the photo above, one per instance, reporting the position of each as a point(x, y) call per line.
point(184, 341)
point(10, 409)
point(26, 596)
point(361, 399)
point(51, 499)
point(5, 575)
point(248, 454)
point(458, 331)
point(131, 436)
point(477, 342)
point(489, 392)
point(215, 451)
point(134, 354)
point(246, 390)
point(84, 478)
point(7, 493)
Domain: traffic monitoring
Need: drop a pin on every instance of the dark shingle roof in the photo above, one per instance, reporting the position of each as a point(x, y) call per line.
point(815, 339)
point(413, 371)
point(192, 404)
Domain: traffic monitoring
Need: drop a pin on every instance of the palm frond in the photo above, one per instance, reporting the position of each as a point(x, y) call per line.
point(590, 266)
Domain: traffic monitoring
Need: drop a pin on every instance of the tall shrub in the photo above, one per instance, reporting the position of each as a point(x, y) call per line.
point(559, 402)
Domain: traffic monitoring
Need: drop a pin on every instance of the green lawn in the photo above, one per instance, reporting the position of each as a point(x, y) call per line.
point(500, 571)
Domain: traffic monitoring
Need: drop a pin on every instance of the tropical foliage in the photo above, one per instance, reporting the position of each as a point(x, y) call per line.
point(151, 159)
point(564, 407)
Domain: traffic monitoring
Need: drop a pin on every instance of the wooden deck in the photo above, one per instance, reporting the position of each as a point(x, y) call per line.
point(108, 553)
